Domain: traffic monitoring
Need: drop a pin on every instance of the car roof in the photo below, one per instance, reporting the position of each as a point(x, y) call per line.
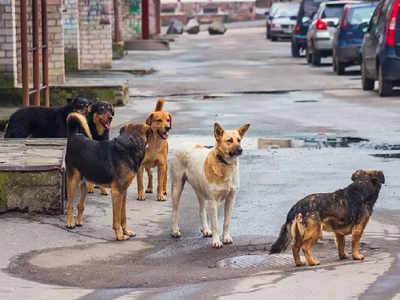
point(341, 2)
point(363, 4)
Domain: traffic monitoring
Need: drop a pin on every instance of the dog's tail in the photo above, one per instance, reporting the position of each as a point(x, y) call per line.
point(288, 231)
point(77, 123)
point(160, 104)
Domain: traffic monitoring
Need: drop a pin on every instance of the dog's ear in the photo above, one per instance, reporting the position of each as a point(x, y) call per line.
point(218, 131)
point(170, 120)
point(149, 119)
point(378, 177)
point(357, 175)
point(147, 131)
point(243, 129)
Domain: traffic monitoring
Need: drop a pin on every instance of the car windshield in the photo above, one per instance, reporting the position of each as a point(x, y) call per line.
point(286, 12)
point(358, 15)
point(332, 11)
point(310, 7)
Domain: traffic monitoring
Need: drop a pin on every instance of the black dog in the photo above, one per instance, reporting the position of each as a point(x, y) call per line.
point(44, 122)
point(109, 163)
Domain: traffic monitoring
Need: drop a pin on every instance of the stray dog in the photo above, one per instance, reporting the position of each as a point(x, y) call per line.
point(156, 153)
point(100, 115)
point(343, 212)
point(214, 176)
point(44, 122)
point(108, 163)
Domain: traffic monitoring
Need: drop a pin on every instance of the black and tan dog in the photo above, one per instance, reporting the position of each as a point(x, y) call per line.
point(44, 122)
point(107, 163)
point(156, 153)
point(100, 115)
point(343, 212)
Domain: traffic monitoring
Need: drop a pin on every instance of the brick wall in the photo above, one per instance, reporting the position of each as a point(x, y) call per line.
point(8, 62)
point(95, 36)
point(55, 38)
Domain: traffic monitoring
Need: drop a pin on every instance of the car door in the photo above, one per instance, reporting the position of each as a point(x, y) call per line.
point(370, 43)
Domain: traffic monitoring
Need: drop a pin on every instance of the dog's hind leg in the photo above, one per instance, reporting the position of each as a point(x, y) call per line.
point(203, 218)
point(149, 189)
point(73, 178)
point(123, 217)
point(298, 235)
point(340, 244)
point(140, 185)
point(213, 207)
point(229, 202)
point(311, 236)
point(117, 201)
point(177, 185)
point(81, 205)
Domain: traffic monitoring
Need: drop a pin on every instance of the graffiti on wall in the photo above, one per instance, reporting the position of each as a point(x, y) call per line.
point(70, 14)
point(134, 17)
point(99, 11)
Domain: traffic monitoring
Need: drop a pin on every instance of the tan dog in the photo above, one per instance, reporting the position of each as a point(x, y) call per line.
point(156, 153)
point(214, 175)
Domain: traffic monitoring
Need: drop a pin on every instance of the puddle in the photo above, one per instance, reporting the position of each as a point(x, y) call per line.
point(318, 141)
point(306, 101)
point(387, 155)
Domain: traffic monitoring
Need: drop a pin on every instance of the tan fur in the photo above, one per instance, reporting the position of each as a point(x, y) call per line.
point(156, 153)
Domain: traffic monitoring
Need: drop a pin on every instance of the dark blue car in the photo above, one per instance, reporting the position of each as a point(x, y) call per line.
point(349, 35)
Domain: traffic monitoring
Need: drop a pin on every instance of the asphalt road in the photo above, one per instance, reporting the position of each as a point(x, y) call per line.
point(234, 79)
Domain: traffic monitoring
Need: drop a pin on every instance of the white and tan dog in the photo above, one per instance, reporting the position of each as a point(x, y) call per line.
point(214, 175)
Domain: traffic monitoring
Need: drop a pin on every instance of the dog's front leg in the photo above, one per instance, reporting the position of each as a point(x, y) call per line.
point(117, 200)
point(229, 202)
point(203, 219)
point(123, 217)
point(140, 187)
point(81, 205)
point(162, 177)
point(73, 181)
point(356, 234)
point(149, 172)
point(213, 207)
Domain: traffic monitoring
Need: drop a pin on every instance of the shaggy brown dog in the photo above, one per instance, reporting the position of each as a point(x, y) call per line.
point(343, 212)
point(156, 153)
point(108, 163)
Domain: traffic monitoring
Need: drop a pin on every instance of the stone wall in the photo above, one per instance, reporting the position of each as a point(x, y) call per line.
point(8, 62)
point(95, 36)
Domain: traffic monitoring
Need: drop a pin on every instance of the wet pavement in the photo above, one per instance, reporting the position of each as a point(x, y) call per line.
point(335, 129)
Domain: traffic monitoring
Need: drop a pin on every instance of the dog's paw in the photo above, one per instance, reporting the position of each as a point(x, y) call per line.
point(314, 262)
point(149, 191)
point(358, 256)
point(141, 196)
point(343, 256)
point(227, 239)
point(70, 226)
point(206, 233)
point(176, 234)
point(103, 191)
point(161, 197)
point(90, 188)
point(129, 233)
point(300, 263)
point(216, 244)
point(70, 222)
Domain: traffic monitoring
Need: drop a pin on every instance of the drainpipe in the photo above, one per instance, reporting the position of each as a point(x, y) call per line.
point(145, 20)
point(117, 37)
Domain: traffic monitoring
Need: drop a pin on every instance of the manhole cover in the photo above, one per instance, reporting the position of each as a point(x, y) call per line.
point(255, 261)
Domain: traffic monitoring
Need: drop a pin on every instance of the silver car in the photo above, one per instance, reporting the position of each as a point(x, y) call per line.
point(281, 20)
point(322, 30)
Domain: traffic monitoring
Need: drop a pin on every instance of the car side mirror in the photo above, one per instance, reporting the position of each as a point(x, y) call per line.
point(364, 27)
point(305, 20)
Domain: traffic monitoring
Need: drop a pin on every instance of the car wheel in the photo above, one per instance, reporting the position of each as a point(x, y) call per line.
point(334, 64)
point(274, 38)
point(367, 83)
point(316, 58)
point(385, 87)
point(268, 34)
point(308, 56)
point(339, 67)
point(295, 50)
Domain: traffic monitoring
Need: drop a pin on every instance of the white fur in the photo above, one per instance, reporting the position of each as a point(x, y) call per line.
point(188, 165)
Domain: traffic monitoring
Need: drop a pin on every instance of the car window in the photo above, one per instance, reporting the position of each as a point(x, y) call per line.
point(375, 16)
point(383, 15)
point(288, 11)
point(332, 11)
point(359, 15)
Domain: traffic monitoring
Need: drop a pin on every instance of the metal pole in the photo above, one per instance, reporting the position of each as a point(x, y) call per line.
point(45, 54)
point(117, 36)
point(158, 16)
point(24, 54)
point(36, 57)
point(145, 20)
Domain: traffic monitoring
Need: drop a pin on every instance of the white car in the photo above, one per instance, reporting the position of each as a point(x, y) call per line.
point(281, 20)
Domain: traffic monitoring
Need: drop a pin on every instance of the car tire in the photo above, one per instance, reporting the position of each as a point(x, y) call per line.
point(366, 83)
point(339, 67)
point(274, 38)
point(385, 87)
point(268, 35)
point(333, 64)
point(316, 58)
point(308, 56)
point(295, 50)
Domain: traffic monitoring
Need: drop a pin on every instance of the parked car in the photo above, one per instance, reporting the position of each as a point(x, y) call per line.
point(306, 10)
point(282, 19)
point(349, 35)
point(322, 29)
point(380, 49)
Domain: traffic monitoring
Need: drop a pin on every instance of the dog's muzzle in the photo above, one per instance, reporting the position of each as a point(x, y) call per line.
point(164, 133)
point(236, 152)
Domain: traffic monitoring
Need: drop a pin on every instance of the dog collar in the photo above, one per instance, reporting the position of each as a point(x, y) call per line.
point(221, 159)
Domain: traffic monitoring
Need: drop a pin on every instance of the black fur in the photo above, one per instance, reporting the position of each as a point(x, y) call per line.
point(95, 108)
point(100, 161)
point(348, 205)
point(43, 122)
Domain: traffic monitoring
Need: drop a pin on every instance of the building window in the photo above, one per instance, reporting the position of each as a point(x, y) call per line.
point(210, 10)
point(168, 10)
